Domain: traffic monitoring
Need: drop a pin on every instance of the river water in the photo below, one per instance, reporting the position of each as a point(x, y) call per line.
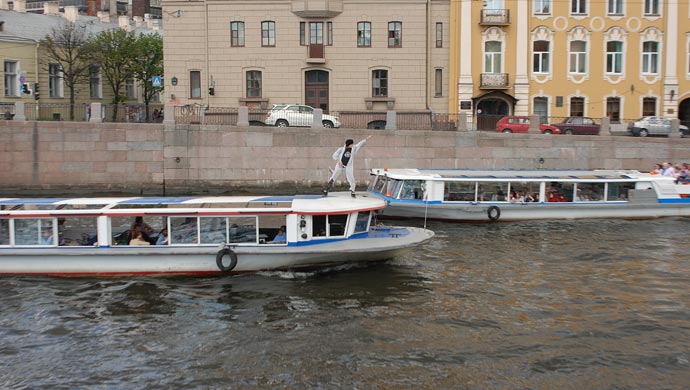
point(539, 305)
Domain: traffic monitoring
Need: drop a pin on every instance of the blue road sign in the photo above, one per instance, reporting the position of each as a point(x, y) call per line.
point(156, 81)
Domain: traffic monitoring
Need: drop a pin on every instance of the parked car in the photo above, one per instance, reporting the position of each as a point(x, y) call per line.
point(284, 115)
point(578, 125)
point(654, 125)
point(520, 124)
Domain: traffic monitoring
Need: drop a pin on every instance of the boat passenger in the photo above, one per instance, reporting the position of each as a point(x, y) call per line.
point(280, 237)
point(658, 169)
point(137, 239)
point(46, 237)
point(668, 170)
point(146, 229)
point(163, 237)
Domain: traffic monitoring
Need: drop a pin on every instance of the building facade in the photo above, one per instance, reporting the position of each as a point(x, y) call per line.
point(337, 55)
point(620, 59)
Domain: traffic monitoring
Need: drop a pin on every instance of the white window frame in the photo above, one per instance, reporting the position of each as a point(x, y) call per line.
point(614, 59)
point(493, 60)
point(650, 58)
point(11, 78)
point(539, 57)
point(615, 7)
point(56, 83)
point(131, 89)
point(575, 59)
point(95, 83)
point(578, 7)
point(542, 7)
point(651, 7)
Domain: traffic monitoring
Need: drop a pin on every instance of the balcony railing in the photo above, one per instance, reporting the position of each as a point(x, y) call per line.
point(494, 81)
point(495, 17)
point(316, 53)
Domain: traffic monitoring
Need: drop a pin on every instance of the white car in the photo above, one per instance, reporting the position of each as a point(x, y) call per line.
point(284, 115)
point(654, 125)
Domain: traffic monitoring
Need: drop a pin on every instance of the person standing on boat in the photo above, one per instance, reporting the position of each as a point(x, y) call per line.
point(344, 156)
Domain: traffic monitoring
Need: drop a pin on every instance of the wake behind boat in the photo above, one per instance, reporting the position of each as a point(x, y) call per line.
point(514, 195)
point(194, 235)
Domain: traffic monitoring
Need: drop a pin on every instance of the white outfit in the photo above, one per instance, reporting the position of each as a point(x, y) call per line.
point(349, 169)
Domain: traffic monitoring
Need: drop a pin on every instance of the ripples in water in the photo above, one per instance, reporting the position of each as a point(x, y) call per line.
point(548, 305)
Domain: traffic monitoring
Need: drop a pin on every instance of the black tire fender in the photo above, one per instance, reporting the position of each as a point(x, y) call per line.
point(219, 259)
point(494, 213)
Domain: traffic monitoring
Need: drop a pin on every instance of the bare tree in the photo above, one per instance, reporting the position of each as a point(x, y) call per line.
point(65, 45)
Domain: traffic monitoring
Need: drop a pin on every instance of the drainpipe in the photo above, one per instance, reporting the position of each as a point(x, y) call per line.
point(208, 77)
point(428, 53)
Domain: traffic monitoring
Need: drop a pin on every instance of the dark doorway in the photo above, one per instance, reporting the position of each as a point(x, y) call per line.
point(684, 112)
point(316, 89)
point(489, 112)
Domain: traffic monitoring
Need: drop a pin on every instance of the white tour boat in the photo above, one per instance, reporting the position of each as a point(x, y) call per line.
point(514, 195)
point(198, 235)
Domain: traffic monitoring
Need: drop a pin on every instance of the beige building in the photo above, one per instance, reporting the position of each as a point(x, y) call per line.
point(338, 55)
point(617, 58)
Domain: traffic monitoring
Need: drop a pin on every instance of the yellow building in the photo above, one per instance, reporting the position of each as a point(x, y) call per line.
point(617, 58)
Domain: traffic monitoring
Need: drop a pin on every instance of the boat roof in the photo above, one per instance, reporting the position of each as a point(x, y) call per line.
point(305, 204)
point(493, 174)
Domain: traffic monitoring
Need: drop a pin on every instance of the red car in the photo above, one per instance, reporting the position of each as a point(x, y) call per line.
point(520, 124)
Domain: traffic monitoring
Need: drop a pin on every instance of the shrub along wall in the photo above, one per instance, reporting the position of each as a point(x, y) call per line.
point(78, 158)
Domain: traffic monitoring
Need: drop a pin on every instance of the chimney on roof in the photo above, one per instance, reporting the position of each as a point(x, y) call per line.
point(20, 5)
point(123, 22)
point(103, 16)
point(71, 13)
point(138, 21)
point(92, 7)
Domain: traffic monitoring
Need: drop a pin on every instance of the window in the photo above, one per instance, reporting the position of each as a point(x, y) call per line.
point(253, 83)
point(316, 33)
point(395, 34)
point(614, 57)
point(95, 86)
point(130, 89)
point(650, 57)
point(364, 34)
point(237, 34)
point(649, 106)
point(438, 83)
point(578, 57)
point(615, 7)
point(613, 109)
point(379, 83)
point(542, 7)
point(651, 7)
point(541, 57)
point(302, 33)
point(329, 33)
point(268, 33)
point(492, 57)
point(578, 6)
point(195, 84)
point(439, 34)
point(55, 84)
point(541, 108)
point(11, 87)
point(577, 106)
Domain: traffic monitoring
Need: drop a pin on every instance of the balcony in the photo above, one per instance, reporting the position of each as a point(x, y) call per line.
point(494, 81)
point(317, 8)
point(316, 53)
point(495, 17)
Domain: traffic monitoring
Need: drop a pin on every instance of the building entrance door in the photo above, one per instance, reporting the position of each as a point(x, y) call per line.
point(489, 112)
point(684, 112)
point(316, 89)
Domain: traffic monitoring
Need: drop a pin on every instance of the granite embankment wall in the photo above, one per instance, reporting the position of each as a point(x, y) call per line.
point(49, 158)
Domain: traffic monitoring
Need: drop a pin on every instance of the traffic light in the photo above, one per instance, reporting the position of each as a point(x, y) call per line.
point(36, 94)
point(25, 89)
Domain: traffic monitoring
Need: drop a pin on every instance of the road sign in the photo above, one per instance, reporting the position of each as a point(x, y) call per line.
point(156, 81)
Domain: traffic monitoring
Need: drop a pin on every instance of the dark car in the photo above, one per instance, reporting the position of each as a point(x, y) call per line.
point(578, 125)
point(520, 124)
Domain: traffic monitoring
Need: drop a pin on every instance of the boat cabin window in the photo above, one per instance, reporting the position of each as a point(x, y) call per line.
point(589, 192)
point(412, 189)
point(388, 187)
point(493, 191)
point(329, 225)
point(619, 191)
point(77, 231)
point(34, 231)
point(183, 230)
point(269, 228)
point(362, 223)
point(212, 230)
point(559, 192)
point(151, 227)
point(524, 191)
point(459, 191)
point(242, 230)
point(4, 231)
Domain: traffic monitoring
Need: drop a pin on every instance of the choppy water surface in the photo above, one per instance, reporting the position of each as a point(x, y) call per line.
point(556, 305)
